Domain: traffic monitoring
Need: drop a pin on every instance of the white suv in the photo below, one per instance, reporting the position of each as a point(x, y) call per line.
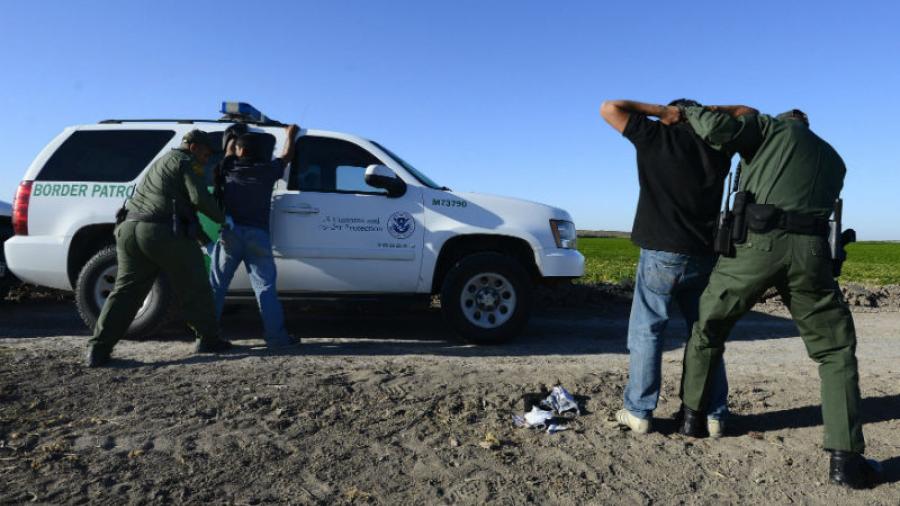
point(350, 218)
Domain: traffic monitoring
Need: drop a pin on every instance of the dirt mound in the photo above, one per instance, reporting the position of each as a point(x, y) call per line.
point(859, 297)
point(23, 292)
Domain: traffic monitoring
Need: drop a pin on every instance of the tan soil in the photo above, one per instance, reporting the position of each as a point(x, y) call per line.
point(390, 410)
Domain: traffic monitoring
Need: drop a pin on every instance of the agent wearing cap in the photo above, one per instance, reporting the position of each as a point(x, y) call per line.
point(153, 237)
point(792, 177)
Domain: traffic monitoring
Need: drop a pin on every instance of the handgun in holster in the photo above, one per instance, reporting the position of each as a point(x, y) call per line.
point(837, 239)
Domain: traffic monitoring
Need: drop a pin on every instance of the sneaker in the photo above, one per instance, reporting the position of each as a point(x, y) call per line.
point(95, 358)
point(637, 425)
point(284, 342)
point(715, 427)
point(212, 346)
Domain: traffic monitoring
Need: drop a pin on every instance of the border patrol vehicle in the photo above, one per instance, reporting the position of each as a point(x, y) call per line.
point(350, 218)
point(6, 278)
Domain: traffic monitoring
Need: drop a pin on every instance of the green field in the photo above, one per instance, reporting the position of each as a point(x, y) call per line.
point(613, 260)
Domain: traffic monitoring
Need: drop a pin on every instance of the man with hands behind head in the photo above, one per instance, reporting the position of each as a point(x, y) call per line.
point(681, 180)
point(247, 196)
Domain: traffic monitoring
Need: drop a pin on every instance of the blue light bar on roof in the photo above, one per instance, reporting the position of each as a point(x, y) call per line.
point(243, 109)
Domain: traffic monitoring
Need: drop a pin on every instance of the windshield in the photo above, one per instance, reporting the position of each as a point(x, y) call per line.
point(412, 170)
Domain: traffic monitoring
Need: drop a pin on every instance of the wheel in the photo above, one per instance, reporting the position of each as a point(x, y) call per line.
point(96, 282)
point(486, 297)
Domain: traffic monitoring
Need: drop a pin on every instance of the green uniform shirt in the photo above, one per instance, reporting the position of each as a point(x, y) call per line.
point(782, 161)
point(173, 177)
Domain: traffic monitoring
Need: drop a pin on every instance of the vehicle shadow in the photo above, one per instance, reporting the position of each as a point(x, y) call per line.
point(555, 331)
point(383, 330)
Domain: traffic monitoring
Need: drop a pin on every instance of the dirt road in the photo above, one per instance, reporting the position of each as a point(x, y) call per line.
point(388, 409)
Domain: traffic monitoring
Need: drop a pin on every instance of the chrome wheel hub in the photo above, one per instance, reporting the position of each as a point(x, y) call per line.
point(488, 300)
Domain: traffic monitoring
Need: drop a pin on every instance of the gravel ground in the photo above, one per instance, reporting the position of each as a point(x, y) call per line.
point(389, 409)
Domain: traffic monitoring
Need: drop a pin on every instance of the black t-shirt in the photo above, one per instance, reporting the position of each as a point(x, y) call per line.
point(681, 181)
point(248, 189)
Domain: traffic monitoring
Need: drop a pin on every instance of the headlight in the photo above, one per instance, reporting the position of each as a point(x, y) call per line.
point(564, 234)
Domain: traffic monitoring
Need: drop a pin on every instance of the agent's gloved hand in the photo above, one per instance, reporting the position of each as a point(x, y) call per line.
point(229, 222)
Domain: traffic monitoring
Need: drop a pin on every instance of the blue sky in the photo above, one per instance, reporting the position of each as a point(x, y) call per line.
point(498, 97)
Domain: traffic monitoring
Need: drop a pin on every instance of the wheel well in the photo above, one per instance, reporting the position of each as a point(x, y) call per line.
point(457, 248)
point(87, 242)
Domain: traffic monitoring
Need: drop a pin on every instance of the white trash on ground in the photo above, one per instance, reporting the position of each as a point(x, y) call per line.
point(560, 404)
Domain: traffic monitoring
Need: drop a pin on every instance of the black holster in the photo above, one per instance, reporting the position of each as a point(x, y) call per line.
point(733, 225)
point(723, 244)
point(739, 229)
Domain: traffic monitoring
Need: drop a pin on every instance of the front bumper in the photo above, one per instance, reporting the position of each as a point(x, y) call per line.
point(561, 263)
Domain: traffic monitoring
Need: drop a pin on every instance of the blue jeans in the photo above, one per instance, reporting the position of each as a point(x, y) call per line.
point(662, 278)
point(253, 247)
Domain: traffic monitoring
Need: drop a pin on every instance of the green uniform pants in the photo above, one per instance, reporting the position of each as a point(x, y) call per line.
point(799, 266)
point(144, 250)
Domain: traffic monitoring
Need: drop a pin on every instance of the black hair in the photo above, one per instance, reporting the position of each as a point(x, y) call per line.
point(685, 102)
point(248, 144)
point(795, 114)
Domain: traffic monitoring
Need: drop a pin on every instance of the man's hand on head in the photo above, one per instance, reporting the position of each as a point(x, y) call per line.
point(670, 115)
point(292, 130)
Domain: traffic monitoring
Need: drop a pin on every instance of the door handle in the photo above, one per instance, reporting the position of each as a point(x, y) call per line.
point(301, 209)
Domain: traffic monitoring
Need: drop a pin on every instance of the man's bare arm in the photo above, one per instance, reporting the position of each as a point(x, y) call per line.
point(288, 153)
point(617, 112)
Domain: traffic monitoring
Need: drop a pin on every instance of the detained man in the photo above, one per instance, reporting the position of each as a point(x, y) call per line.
point(247, 197)
point(681, 180)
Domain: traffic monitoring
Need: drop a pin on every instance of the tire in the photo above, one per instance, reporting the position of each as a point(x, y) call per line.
point(486, 297)
point(96, 280)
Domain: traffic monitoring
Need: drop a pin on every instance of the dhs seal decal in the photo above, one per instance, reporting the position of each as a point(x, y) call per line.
point(401, 225)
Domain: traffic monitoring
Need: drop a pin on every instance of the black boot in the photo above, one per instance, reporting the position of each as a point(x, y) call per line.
point(692, 423)
point(212, 346)
point(95, 357)
point(850, 469)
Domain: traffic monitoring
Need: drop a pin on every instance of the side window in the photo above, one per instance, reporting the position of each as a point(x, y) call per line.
point(104, 155)
point(322, 164)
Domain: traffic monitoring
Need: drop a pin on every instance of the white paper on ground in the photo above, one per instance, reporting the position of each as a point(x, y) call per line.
point(537, 417)
point(561, 401)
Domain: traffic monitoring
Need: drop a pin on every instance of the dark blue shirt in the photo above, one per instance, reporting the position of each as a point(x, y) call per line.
point(248, 190)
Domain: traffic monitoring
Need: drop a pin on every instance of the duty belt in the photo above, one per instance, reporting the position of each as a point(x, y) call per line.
point(767, 217)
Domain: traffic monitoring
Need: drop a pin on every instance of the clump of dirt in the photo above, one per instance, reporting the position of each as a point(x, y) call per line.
point(24, 292)
point(859, 297)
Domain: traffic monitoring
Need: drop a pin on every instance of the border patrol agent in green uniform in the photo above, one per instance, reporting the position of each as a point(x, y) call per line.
point(791, 178)
point(156, 234)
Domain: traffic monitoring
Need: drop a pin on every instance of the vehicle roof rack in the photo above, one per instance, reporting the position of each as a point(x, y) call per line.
point(233, 112)
point(223, 119)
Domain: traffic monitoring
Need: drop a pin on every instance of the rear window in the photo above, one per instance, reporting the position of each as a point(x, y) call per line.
point(104, 155)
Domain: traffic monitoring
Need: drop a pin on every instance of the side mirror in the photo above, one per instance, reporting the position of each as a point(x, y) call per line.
point(379, 176)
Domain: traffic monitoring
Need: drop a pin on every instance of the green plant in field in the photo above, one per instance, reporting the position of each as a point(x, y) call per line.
point(873, 263)
point(608, 260)
point(612, 260)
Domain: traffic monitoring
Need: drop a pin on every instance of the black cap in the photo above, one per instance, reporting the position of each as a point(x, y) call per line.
point(198, 137)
